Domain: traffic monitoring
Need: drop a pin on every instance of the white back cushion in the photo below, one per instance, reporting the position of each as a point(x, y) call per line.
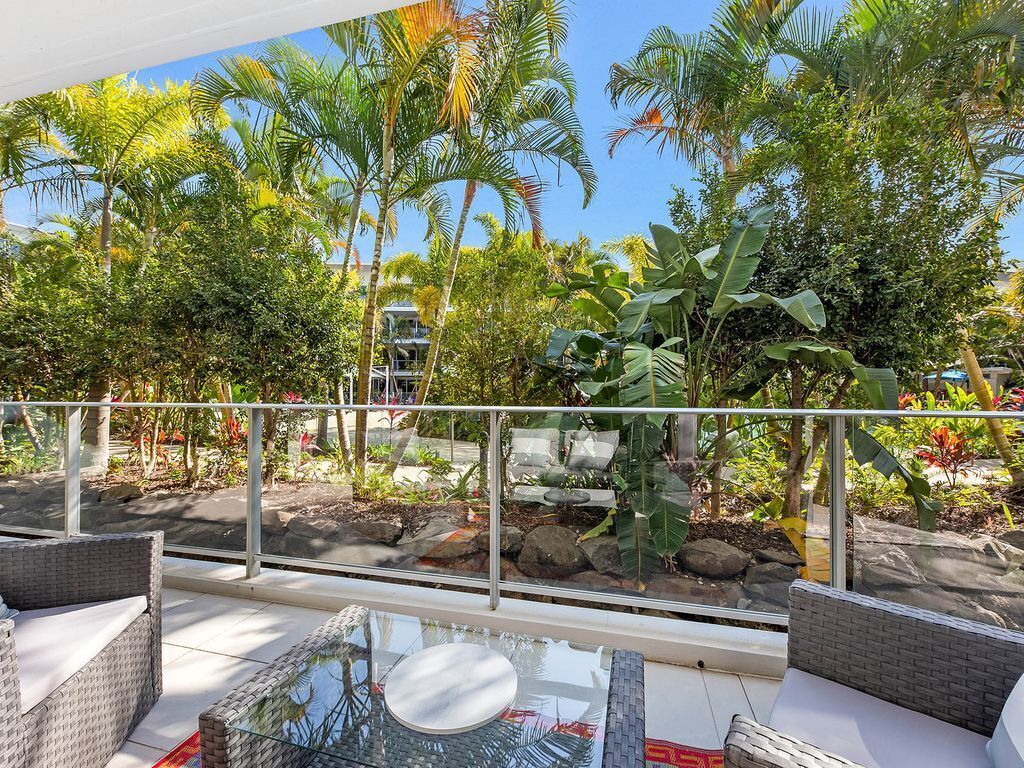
point(534, 447)
point(1006, 749)
point(592, 450)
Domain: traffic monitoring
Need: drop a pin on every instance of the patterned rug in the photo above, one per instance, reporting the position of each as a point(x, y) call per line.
point(660, 754)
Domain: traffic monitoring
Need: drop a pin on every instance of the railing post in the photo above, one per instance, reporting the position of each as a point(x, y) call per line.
point(494, 481)
point(837, 500)
point(72, 470)
point(254, 494)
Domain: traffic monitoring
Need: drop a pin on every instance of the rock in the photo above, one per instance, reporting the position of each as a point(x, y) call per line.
point(598, 581)
point(440, 539)
point(122, 492)
point(686, 589)
point(603, 555)
point(313, 527)
point(769, 581)
point(889, 567)
point(378, 530)
point(658, 614)
point(775, 556)
point(713, 558)
point(550, 551)
point(511, 540)
point(931, 598)
point(1014, 538)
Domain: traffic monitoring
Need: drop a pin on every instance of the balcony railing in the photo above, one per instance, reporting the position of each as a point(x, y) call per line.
point(468, 512)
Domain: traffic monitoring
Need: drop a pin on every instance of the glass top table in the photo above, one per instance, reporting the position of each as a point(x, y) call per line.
point(331, 703)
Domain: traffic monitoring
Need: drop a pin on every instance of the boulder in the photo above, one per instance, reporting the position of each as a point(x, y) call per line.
point(1014, 538)
point(792, 559)
point(883, 566)
point(597, 581)
point(603, 555)
point(378, 530)
point(769, 581)
point(511, 540)
point(313, 527)
point(440, 539)
point(681, 588)
point(122, 492)
point(713, 558)
point(932, 598)
point(550, 551)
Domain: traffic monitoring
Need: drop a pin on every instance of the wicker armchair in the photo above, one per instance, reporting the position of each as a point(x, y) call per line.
point(87, 718)
point(957, 671)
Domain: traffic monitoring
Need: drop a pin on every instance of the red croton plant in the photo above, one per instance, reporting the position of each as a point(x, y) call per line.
point(950, 452)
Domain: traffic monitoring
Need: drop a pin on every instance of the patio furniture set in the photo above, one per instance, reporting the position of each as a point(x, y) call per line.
point(869, 683)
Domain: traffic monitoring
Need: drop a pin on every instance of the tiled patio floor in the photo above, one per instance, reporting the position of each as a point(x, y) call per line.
point(212, 643)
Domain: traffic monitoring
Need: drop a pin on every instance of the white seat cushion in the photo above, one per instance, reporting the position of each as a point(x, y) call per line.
point(869, 731)
point(53, 644)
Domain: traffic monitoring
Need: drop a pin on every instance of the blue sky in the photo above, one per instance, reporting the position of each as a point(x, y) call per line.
point(633, 187)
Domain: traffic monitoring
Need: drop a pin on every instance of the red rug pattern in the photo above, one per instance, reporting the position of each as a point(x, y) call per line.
point(660, 754)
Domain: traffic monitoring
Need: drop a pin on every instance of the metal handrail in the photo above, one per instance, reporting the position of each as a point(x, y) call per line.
point(492, 582)
point(542, 409)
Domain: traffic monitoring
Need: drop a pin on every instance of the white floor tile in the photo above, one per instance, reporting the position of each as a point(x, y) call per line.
point(191, 684)
point(203, 618)
point(268, 633)
point(136, 756)
point(761, 693)
point(727, 697)
point(172, 652)
point(174, 598)
point(677, 708)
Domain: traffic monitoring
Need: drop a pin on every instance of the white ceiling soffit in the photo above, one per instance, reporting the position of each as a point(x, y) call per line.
point(51, 44)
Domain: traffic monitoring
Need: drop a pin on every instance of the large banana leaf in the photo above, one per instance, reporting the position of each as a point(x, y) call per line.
point(880, 387)
point(805, 307)
point(737, 259)
point(867, 450)
point(652, 378)
point(636, 549)
point(634, 313)
point(812, 353)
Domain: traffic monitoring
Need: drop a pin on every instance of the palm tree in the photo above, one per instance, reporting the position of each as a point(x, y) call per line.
point(419, 63)
point(702, 95)
point(524, 111)
point(111, 130)
point(24, 146)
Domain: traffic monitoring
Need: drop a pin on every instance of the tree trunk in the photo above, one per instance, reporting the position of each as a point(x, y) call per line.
point(794, 472)
point(995, 426)
point(353, 222)
point(721, 427)
point(106, 230)
point(437, 331)
point(341, 421)
point(369, 328)
point(96, 434)
point(30, 429)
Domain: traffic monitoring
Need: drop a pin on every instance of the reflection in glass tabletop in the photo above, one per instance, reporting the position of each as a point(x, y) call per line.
point(334, 705)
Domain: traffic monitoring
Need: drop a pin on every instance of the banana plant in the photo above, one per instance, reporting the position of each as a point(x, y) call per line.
point(657, 350)
point(660, 345)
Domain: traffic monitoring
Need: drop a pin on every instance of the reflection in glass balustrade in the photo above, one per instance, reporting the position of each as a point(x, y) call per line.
point(695, 511)
point(32, 467)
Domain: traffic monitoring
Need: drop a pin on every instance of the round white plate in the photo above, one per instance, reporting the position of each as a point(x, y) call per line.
point(451, 688)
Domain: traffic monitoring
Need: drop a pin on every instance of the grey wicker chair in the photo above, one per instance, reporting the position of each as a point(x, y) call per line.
point(955, 670)
point(86, 720)
point(224, 747)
